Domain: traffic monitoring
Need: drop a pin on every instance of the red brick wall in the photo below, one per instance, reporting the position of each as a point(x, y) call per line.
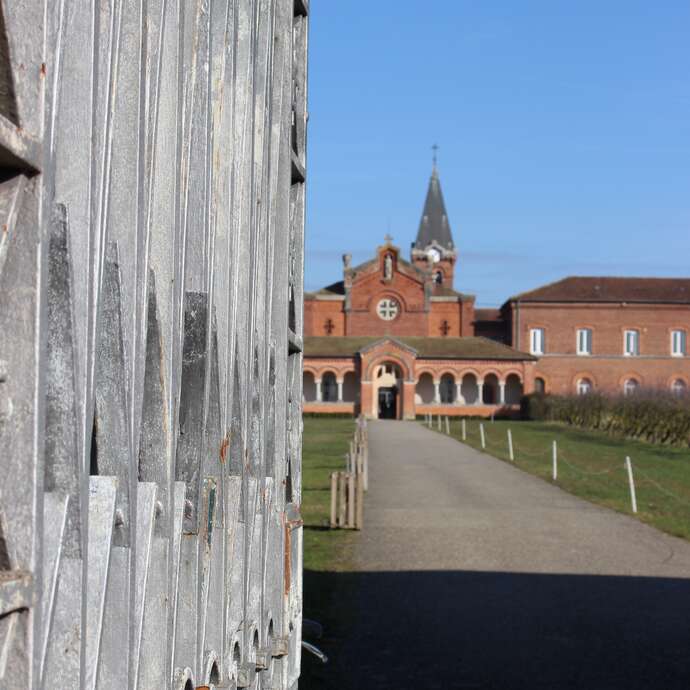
point(317, 313)
point(445, 311)
point(607, 367)
point(338, 365)
point(369, 287)
point(366, 293)
point(467, 324)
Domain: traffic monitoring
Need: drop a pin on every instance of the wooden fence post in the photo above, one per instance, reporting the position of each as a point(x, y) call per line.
point(334, 500)
point(342, 498)
point(359, 500)
point(350, 500)
point(365, 466)
point(631, 482)
point(347, 488)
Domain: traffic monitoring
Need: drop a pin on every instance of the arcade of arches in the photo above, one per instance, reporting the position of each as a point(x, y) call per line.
point(393, 337)
point(388, 379)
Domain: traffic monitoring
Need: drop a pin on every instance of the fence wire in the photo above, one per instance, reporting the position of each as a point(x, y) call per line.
point(599, 473)
point(495, 447)
point(659, 487)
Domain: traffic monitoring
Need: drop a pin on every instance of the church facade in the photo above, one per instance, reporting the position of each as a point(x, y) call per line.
point(394, 339)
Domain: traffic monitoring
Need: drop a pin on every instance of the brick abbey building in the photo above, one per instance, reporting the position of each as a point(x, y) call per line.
point(393, 338)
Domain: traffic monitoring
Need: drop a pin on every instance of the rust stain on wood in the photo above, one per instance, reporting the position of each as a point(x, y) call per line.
point(224, 448)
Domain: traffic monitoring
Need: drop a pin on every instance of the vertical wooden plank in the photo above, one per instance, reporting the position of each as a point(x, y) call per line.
point(350, 500)
point(359, 500)
point(334, 499)
point(342, 500)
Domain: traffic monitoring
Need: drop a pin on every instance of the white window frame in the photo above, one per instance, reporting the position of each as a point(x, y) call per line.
point(630, 386)
point(635, 334)
point(679, 387)
point(585, 333)
point(679, 339)
point(537, 341)
point(581, 389)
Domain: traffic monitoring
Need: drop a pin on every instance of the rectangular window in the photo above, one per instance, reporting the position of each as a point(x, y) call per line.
point(631, 343)
point(584, 341)
point(536, 339)
point(678, 343)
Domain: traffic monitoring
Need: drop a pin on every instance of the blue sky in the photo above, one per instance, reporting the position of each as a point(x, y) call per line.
point(564, 134)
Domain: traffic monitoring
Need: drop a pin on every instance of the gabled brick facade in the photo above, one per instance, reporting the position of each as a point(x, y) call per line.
point(404, 323)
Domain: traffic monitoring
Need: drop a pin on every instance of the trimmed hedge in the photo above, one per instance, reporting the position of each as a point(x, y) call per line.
point(329, 415)
point(652, 416)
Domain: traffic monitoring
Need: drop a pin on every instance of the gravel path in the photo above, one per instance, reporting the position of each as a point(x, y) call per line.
point(473, 574)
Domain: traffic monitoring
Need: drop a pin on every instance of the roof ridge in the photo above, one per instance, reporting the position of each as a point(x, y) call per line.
point(646, 289)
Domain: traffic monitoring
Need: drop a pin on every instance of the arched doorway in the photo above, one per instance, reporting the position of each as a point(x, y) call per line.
point(387, 391)
point(490, 390)
point(513, 390)
point(351, 387)
point(329, 387)
point(470, 390)
point(424, 390)
point(447, 389)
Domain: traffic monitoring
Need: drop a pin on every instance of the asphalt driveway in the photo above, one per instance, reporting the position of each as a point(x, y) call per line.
point(473, 574)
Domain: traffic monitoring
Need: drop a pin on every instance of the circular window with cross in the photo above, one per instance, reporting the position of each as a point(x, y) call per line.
point(388, 309)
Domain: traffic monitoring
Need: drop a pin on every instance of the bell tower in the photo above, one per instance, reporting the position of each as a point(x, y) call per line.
point(434, 244)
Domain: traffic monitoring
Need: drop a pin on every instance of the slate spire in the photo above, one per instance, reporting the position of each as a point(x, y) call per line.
point(434, 226)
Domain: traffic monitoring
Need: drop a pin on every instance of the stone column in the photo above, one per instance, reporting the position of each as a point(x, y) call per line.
point(319, 396)
point(437, 392)
point(340, 390)
point(480, 393)
point(458, 393)
point(502, 392)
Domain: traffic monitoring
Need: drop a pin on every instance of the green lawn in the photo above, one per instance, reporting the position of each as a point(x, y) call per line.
point(325, 443)
point(591, 465)
point(328, 595)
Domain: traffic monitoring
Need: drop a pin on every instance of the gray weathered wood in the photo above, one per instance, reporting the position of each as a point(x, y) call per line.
point(151, 266)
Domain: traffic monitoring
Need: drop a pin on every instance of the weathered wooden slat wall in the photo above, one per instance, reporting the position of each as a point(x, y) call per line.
point(152, 168)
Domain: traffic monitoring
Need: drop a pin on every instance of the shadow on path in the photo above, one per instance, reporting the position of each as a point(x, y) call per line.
point(504, 631)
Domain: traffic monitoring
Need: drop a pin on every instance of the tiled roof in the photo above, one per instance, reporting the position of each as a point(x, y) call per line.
point(608, 289)
point(427, 348)
point(365, 264)
point(333, 289)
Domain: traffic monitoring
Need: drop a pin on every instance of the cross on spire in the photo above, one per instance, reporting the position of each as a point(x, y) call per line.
point(388, 239)
point(434, 226)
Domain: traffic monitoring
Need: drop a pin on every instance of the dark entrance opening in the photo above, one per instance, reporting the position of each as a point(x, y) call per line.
point(388, 403)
